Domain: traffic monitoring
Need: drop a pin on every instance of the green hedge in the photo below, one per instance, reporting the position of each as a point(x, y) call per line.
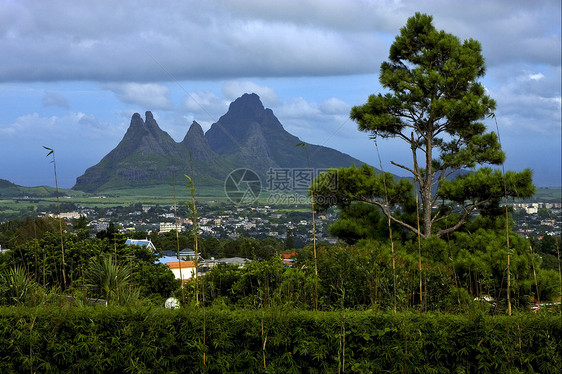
point(156, 340)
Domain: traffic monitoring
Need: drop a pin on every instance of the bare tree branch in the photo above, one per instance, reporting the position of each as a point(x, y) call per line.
point(388, 214)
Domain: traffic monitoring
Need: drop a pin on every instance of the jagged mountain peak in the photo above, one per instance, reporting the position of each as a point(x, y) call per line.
point(149, 123)
point(197, 144)
point(146, 153)
point(226, 134)
point(247, 105)
point(246, 109)
point(194, 130)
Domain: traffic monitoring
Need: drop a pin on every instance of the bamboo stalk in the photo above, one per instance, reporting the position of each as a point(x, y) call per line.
point(178, 239)
point(559, 269)
point(419, 246)
point(506, 228)
point(52, 153)
point(538, 299)
point(303, 144)
point(389, 234)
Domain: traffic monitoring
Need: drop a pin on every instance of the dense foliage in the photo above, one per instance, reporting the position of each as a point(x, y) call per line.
point(96, 268)
point(149, 340)
point(370, 271)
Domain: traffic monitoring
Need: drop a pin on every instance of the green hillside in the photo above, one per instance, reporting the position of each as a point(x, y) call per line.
point(13, 191)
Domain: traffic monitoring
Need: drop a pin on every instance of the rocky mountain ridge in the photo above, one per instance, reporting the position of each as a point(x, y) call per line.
point(247, 136)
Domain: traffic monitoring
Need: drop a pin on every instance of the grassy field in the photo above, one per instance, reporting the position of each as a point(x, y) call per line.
point(548, 194)
point(39, 198)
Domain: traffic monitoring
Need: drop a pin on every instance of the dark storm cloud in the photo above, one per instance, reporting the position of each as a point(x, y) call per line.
point(140, 41)
point(146, 41)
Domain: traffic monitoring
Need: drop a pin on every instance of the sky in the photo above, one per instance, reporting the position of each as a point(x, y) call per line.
point(72, 73)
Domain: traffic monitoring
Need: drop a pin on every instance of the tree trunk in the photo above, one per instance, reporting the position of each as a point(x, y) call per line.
point(425, 190)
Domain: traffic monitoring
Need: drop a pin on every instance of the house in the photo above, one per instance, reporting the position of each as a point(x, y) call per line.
point(188, 254)
point(142, 243)
point(169, 226)
point(287, 259)
point(186, 268)
point(206, 265)
point(238, 261)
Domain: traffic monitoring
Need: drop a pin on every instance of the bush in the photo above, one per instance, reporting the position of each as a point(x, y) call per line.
point(117, 339)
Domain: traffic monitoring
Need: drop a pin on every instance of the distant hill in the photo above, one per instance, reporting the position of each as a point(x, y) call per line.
point(247, 136)
point(11, 190)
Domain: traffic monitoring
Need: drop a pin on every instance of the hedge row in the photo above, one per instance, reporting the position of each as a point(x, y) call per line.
point(155, 340)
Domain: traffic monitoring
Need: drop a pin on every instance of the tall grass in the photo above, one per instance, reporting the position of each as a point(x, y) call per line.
point(506, 224)
point(178, 239)
point(63, 265)
point(303, 144)
point(193, 208)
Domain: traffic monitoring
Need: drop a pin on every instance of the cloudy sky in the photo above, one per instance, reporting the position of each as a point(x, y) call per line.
point(73, 72)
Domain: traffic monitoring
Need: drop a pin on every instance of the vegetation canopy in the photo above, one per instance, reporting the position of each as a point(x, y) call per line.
point(435, 104)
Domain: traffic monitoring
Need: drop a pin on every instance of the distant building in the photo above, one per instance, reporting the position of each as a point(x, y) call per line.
point(186, 268)
point(169, 226)
point(188, 254)
point(287, 259)
point(99, 225)
point(238, 261)
point(531, 210)
point(71, 215)
point(142, 243)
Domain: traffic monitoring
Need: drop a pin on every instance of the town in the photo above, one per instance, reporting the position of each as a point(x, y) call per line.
point(222, 220)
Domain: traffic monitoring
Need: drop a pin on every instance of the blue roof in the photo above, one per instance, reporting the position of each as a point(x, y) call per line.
point(166, 259)
point(141, 242)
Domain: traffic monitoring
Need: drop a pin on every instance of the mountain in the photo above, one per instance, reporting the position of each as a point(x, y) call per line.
point(247, 136)
point(203, 163)
point(145, 155)
point(252, 137)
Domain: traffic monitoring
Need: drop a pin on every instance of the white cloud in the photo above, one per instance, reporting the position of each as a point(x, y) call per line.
point(298, 108)
point(234, 89)
point(334, 106)
point(88, 120)
point(528, 76)
point(204, 106)
point(71, 126)
point(149, 96)
point(316, 123)
point(528, 102)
